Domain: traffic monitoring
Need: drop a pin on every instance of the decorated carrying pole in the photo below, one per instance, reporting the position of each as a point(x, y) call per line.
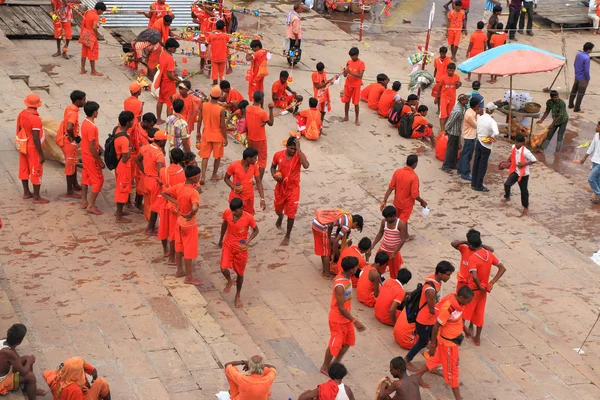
point(362, 19)
point(424, 62)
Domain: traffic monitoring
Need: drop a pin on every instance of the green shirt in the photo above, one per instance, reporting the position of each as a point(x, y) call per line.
point(559, 111)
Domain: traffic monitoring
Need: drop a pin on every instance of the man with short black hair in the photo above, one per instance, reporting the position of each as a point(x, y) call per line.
point(406, 387)
point(68, 138)
point(167, 79)
point(453, 130)
point(89, 26)
point(520, 159)
point(582, 76)
point(557, 107)
point(487, 131)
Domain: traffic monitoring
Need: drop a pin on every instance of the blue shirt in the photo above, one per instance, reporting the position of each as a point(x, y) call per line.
point(582, 66)
point(474, 94)
point(489, 6)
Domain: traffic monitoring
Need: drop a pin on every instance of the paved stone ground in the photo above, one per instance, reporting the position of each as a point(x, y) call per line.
point(85, 286)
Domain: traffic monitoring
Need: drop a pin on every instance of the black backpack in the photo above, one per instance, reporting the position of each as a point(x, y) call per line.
point(411, 302)
point(395, 113)
point(406, 122)
point(110, 153)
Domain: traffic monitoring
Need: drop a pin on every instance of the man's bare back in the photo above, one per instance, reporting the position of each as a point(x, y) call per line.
point(406, 388)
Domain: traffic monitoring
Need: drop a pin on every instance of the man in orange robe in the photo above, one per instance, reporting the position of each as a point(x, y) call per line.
point(136, 134)
point(167, 79)
point(123, 171)
point(368, 284)
point(213, 138)
point(170, 176)
point(256, 75)
point(256, 119)
point(158, 9)
point(448, 84)
point(68, 138)
point(91, 175)
point(90, 22)
point(191, 103)
point(255, 384)
point(70, 382)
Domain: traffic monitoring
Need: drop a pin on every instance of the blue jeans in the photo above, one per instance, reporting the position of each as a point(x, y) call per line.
point(464, 164)
point(594, 179)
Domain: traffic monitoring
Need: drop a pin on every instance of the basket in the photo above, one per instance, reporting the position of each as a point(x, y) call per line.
point(532, 107)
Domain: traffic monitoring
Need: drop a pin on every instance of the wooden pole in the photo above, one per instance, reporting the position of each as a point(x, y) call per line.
point(424, 62)
point(362, 19)
point(510, 109)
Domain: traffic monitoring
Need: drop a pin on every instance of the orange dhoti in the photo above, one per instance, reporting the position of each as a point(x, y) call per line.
point(71, 154)
point(286, 199)
point(153, 189)
point(168, 224)
point(30, 168)
point(447, 356)
point(91, 174)
point(153, 58)
point(9, 383)
point(475, 310)
point(186, 241)
point(254, 85)
point(122, 183)
point(321, 240)
point(62, 30)
point(91, 54)
point(98, 390)
point(394, 263)
point(234, 258)
point(285, 103)
point(340, 334)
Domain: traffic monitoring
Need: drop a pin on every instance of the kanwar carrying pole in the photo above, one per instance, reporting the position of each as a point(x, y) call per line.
point(362, 19)
point(424, 61)
point(221, 8)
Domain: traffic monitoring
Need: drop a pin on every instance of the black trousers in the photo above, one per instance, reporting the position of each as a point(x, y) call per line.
point(480, 164)
point(451, 157)
point(511, 180)
point(424, 332)
point(511, 24)
point(577, 93)
point(528, 5)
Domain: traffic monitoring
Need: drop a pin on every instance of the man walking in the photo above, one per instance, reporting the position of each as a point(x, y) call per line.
point(453, 130)
point(514, 11)
point(594, 178)
point(487, 130)
point(582, 77)
point(559, 123)
point(527, 11)
point(294, 34)
point(469, 135)
point(520, 159)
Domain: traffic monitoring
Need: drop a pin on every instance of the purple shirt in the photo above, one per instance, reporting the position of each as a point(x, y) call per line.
point(582, 66)
point(515, 5)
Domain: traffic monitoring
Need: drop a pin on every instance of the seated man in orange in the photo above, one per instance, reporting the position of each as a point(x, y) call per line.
point(288, 102)
point(90, 24)
point(404, 332)
point(231, 97)
point(388, 98)
point(16, 370)
point(390, 296)
point(70, 381)
point(234, 241)
point(68, 138)
point(369, 281)
point(256, 384)
point(421, 128)
point(314, 124)
point(372, 93)
point(218, 48)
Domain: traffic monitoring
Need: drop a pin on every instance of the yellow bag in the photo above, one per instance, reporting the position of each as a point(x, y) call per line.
point(21, 141)
point(263, 70)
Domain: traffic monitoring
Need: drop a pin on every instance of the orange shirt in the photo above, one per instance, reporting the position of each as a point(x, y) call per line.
point(158, 11)
point(90, 18)
point(257, 59)
point(218, 46)
point(89, 132)
point(320, 78)
point(441, 65)
point(122, 146)
point(355, 67)
point(419, 120)
point(364, 287)
point(135, 105)
point(191, 105)
point(289, 168)
point(334, 313)
point(29, 119)
point(237, 230)
point(255, 123)
point(405, 110)
point(497, 39)
point(211, 119)
point(186, 196)
point(424, 317)
point(482, 261)
point(167, 64)
point(375, 95)
point(464, 275)
point(391, 291)
point(71, 114)
point(404, 332)
point(245, 177)
point(386, 102)
point(251, 387)
point(478, 40)
point(233, 95)
point(449, 316)
point(455, 20)
point(152, 156)
point(352, 251)
point(279, 90)
point(164, 30)
point(448, 86)
point(170, 176)
point(405, 184)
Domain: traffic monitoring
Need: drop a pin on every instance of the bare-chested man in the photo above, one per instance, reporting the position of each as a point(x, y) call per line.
point(405, 387)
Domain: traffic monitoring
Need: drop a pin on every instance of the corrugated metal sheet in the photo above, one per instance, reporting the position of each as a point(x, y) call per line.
point(181, 9)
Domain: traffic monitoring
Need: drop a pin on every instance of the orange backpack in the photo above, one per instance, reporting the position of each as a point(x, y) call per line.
point(312, 130)
point(21, 141)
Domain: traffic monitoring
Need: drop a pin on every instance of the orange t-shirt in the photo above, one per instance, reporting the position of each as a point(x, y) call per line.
point(90, 18)
point(158, 11)
point(252, 387)
point(170, 176)
point(218, 46)
point(391, 291)
point(404, 332)
point(334, 313)
point(191, 105)
point(418, 121)
point(234, 95)
point(320, 78)
point(255, 119)
point(30, 120)
point(424, 317)
point(464, 273)
point(405, 184)
point(456, 19)
point(134, 105)
point(160, 26)
point(497, 39)
point(478, 40)
point(89, 132)
point(186, 195)
point(386, 102)
point(289, 168)
point(441, 65)
point(448, 86)
point(121, 147)
point(312, 115)
point(449, 315)
point(211, 119)
point(352, 251)
point(355, 67)
point(237, 230)
point(167, 64)
point(279, 89)
point(239, 174)
point(482, 261)
point(364, 287)
point(152, 156)
point(405, 110)
point(375, 95)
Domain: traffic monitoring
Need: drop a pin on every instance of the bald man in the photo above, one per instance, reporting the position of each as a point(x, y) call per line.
point(256, 384)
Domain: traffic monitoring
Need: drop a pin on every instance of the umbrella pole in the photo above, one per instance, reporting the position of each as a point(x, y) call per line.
point(510, 109)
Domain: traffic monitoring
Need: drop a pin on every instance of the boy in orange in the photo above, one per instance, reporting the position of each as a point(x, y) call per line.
point(163, 25)
point(285, 170)
point(93, 164)
point(218, 46)
point(167, 79)
point(440, 65)
point(353, 72)
point(244, 172)
point(480, 266)
point(158, 9)
point(256, 119)
point(369, 281)
point(389, 97)
point(390, 296)
point(63, 9)
point(191, 103)
point(90, 22)
point(170, 176)
point(455, 27)
point(362, 251)
point(256, 74)
point(31, 164)
point(231, 97)
point(314, 123)
point(150, 161)
point(466, 249)
point(405, 185)
point(425, 319)
point(372, 93)
point(236, 223)
point(321, 89)
point(341, 320)
point(123, 170)
point(421, 128)
point(213, 138)
point(393, 232)
point(446, 337)
point(498, 38)
point(477, 45)
point(446, 98)
point(186, 198)
point(67, 138)
point(280, 98)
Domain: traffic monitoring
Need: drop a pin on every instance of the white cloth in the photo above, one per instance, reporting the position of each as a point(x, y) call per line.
point(592, 7)
point(486, 127)
point(5, 346)
point(594, 149)
point(528, 157)
point(342, 395)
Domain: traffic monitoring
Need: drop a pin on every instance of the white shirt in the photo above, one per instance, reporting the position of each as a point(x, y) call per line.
point(592, 7)
point(529, 157)
point(486, 127)
point(342, 395)
point(594, 149)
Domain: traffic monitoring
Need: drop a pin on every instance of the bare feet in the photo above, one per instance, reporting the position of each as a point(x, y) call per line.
point(285, 241)
point(468, 79)
point(41, 201)
point(27, 196)
point(40, 392)
point(160, 122)
point(424, 384)
point(356, 123)
point(279, 222)
point(133, 209)
point(477, 340)
point(65, 56)
point(345, 119)
point(524, 213)
point(123, 220)
point(179, 274)
point(216, 178)
point(326, 276)
point(83, 206)
point(150, 233)
point(467, 332)
point(57, 54)
point(228, 286)
point(238, 302)
point(72, 196)
point(411, 367)
point(411, 237)
point(96, 73)
point(94, 211)
point(83, 71)
point(77, 187)
point(192, 281)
